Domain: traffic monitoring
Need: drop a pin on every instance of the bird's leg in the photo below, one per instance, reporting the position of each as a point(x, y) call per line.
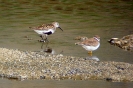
point(90, 53)
point(46, 39)
point(42, 45)
point(42, 40)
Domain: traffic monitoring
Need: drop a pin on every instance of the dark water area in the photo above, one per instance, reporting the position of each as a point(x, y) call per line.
point(77, 18)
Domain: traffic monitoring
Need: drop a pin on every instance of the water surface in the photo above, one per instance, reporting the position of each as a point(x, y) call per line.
point(63, 84)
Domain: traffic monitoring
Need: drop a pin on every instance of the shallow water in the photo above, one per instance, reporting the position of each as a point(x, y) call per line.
point(63, 84)
point(86, 18)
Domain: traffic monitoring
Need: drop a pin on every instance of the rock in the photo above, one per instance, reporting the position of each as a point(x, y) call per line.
point(125, 42)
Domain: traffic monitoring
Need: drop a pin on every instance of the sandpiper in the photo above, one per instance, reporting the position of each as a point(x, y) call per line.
point(46, 29)
point(90, 44)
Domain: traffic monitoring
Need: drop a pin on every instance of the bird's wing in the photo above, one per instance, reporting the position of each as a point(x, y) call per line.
point(43, 27)
point(90, 42)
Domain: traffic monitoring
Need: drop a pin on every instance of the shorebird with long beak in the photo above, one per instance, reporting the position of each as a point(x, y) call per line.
point(46, 29)
point(90, 44)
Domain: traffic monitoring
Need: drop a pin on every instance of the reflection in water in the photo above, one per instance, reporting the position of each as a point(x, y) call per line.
point(92, 58)
point(46, 48)
point(43, 43)
point(49, 50)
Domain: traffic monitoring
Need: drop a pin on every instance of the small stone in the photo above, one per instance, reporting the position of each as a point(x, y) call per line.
point(108, 79)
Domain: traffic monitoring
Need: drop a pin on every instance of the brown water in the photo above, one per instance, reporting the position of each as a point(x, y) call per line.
point(85, 18)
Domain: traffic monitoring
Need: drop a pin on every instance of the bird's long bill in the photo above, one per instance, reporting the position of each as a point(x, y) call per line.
point(60, 28)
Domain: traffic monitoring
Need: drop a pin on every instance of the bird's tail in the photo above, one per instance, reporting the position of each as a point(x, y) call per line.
point(78, 43)
point(32, 28)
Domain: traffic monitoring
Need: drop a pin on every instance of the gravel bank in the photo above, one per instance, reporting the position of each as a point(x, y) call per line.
point(15, 64)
